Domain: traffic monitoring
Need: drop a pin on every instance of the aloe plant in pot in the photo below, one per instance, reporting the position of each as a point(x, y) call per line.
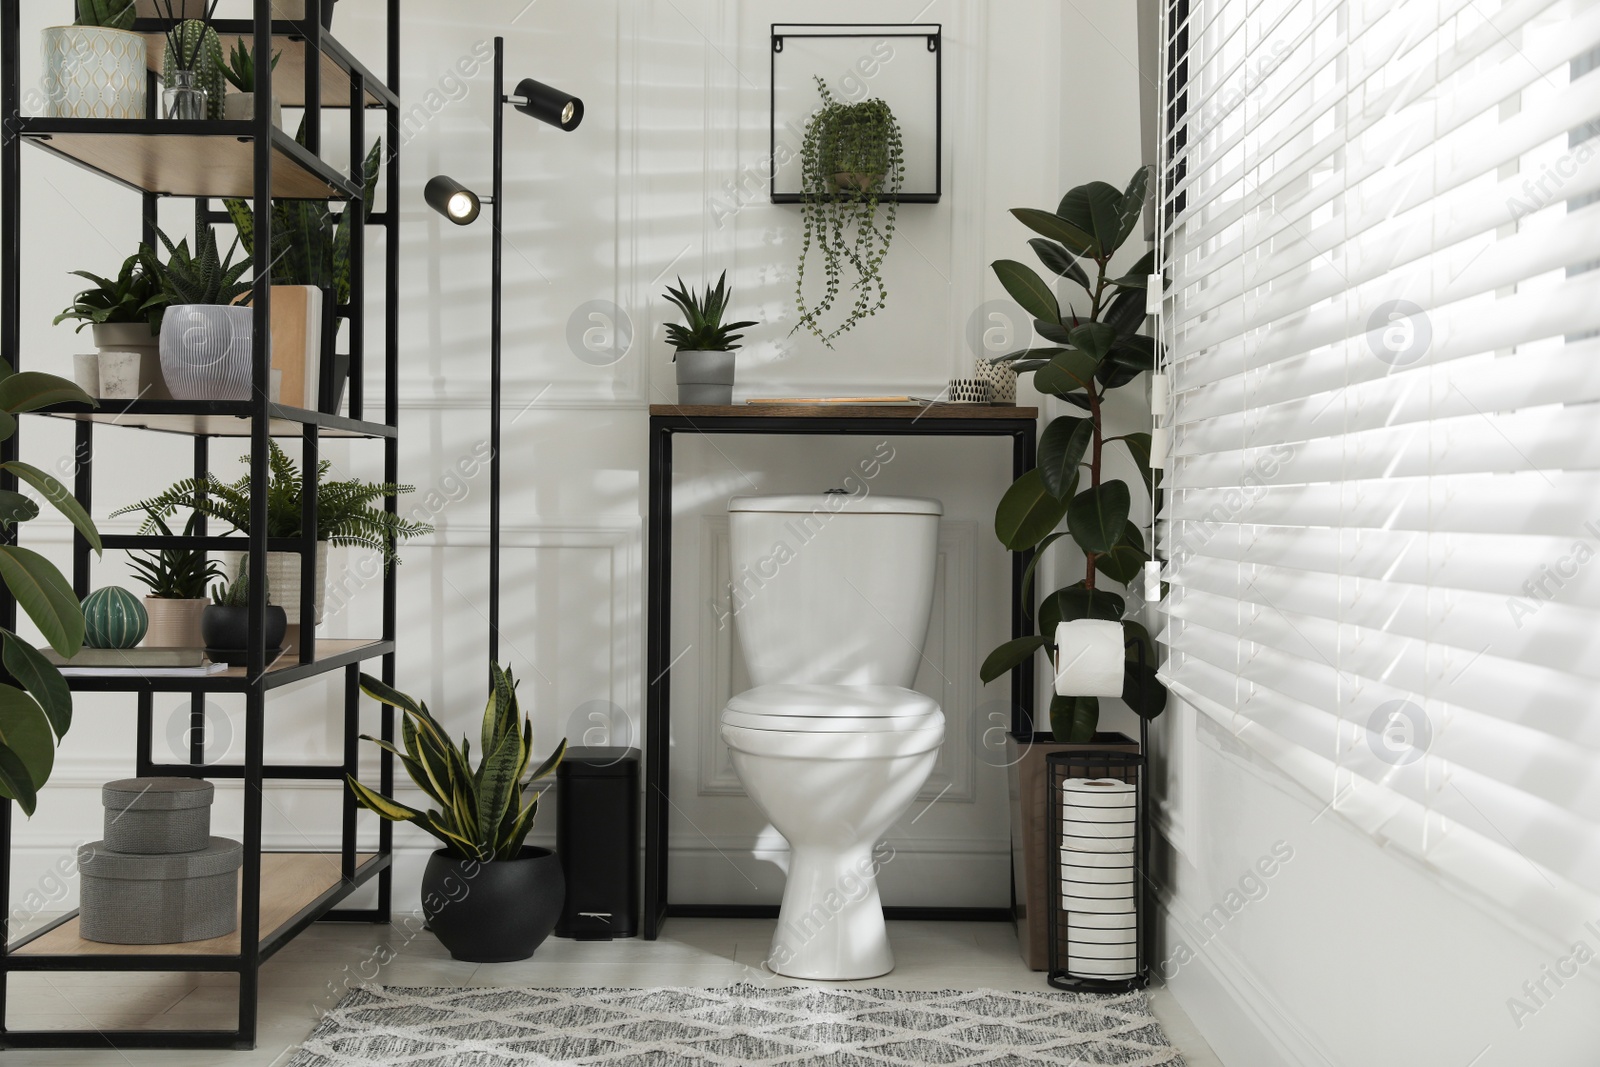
point(488, 895)
point(176, 578)
point(703, 344)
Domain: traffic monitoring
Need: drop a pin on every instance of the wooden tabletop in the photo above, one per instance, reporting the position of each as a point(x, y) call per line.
point(847, 411)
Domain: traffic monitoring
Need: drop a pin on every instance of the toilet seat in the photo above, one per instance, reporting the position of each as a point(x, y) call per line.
point(833, 709)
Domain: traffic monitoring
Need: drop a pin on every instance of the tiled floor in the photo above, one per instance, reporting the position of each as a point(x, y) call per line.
point(310, 975)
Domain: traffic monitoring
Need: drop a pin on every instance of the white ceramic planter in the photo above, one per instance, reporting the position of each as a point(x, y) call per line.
point(174, 623)
point(144, 380)
point(206, 351)
point(241, 107)
point(704, 378)
point(283, 579)
point(91, 72)
point(86, 372)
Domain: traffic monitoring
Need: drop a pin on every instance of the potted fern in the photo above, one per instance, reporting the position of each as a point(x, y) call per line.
point(207, 331)
point(124, 315)
point(177, 580)
point(704, 345)
point(488, 895)
point(240, 71)
point(348, 513)
point(95, 68)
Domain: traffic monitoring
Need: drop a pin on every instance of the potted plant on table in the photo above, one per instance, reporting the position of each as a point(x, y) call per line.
point(488, 895)
point(1090, 355)
point(704, 345)
point(852, 161)
point(124, 316)
point(95, 68)
point(177, 579)
point(348, 513)
point(208, 328)
point(240, 71)
point(225, 622)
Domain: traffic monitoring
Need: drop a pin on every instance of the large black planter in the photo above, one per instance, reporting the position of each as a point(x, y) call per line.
point(226, 632)
point(496, 912)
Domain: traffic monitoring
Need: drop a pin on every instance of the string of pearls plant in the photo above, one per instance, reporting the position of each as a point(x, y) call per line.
point(852, 156)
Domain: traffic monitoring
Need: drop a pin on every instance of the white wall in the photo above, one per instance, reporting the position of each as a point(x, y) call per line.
point(675, 135)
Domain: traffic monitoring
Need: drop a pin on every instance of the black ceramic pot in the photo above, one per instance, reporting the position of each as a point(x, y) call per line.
point(495, 912)
point(226, 632)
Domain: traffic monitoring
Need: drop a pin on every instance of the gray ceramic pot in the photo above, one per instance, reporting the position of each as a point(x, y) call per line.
point(206, 351)
point(705, 378)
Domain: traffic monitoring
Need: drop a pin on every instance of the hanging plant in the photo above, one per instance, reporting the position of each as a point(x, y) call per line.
point(852, 157)
point(1092, 353)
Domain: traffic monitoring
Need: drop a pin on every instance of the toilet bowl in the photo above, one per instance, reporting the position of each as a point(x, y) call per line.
point(831, 603)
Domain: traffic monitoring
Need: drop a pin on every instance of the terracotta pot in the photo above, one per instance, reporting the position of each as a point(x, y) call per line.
point(174, 623)
point(1030, 852)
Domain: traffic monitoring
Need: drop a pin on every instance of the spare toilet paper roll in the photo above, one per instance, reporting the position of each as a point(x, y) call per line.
point(1099, 793)
point(1080, 936)
point(1075, 868)
point(1097, 815)
point(1087, 967)
point(1089, 658)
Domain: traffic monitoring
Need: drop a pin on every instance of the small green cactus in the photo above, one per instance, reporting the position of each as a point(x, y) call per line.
point(195, 46)
point(110, 14)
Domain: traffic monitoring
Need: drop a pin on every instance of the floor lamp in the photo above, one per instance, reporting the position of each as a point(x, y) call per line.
point(462, 206)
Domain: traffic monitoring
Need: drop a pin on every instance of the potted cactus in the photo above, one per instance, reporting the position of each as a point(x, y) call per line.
point(240, 71)
point(225, 622)
point(124, 313)
point(192, 68)
point(207, 331)
point(95, 68)
point(704, 345)
point(488, 895)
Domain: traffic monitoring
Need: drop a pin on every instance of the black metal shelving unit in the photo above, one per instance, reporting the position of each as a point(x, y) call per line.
point(281, 894)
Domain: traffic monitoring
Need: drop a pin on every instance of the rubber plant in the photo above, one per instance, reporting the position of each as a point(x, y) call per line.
point(35, 703)
point(851, 158)
point(310, 245)
point(1094, 352)
point(483, 813)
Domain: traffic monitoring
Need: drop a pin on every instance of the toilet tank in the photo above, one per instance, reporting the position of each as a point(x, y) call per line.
point(832, 588)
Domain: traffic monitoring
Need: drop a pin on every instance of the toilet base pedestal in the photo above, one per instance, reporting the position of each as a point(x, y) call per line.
point(831, 926)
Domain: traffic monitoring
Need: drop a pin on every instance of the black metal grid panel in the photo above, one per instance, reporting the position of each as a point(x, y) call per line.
point(1111, 944)
point(933, 33)
point(258, 419)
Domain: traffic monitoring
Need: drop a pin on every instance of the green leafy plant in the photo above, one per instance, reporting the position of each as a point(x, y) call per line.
point(310, 245)
point(348, 512)
point(176, 573)
point(1096, 352)
point(202, 276)
point(240, 68)
point(851, 156)
point(236, 594)
point(110, 14)
point(134, 295)
point(483, 813)
point(35, 703)
point(194, 47)
point(703, 329)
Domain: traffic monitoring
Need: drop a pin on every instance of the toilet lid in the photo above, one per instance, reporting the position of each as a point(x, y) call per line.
point(832, 709)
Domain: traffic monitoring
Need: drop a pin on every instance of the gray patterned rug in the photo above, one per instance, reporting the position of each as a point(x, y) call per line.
point(736, 1026)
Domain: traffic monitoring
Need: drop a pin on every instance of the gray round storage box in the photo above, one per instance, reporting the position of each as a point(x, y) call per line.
point(156, 816)
point(159, 900)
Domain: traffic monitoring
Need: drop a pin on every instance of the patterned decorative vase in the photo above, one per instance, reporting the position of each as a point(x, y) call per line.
point(1001, 378)
point(206, 351)
point(113, 618)
point(91, 72)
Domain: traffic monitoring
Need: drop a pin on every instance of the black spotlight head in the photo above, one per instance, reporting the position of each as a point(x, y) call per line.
point(452, 200)
point(549, 104)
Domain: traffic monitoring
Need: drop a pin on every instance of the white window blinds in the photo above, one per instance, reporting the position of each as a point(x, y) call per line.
point(1381, 229)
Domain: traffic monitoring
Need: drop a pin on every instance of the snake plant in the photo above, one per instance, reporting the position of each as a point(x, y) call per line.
point(110, 14)
point(483, 813)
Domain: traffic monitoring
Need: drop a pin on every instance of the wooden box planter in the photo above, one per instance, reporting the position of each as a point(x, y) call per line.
point(1030, 852)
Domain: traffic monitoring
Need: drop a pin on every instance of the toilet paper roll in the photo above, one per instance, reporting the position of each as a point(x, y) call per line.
point(1111, 970)
point(1089, 658)
point(1099, 793)
point(1074, 898)
point(1078, 938)
point(1103, 860)
point(1102, 816)
point(1120, 921)
point(1090, 837)
point(1097, 890)
point(1098, 874)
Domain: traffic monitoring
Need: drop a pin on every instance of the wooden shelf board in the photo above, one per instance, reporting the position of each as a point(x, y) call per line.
point(214, 425)
point(288, 78)
point(330, 653)
point(290, 882)
point(190, 159)
point(846, 411)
